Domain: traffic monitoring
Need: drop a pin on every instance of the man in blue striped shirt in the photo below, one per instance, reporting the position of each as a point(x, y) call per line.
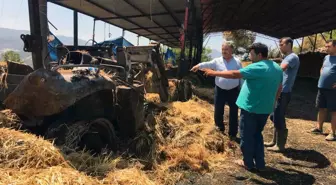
point(226, 90)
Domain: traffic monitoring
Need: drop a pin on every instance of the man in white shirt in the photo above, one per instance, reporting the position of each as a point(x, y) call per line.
point(226, 90)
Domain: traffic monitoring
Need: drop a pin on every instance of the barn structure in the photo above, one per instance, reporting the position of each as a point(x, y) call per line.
point(183, 23)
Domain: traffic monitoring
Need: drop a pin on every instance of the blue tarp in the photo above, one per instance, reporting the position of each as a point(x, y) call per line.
point(119, 42)
point(170, 55)
point(52, 47)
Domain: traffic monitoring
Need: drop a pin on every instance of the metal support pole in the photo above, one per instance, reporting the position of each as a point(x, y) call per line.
point(301, 47)
point(182, 65)
point(94, 31)
point(35, 31)
point(315, 42)
point(75, 20)
point(192, 9)
point(331, 34)
point(323, 37)
point(311, 41)
point(44, 26)
point(138, 41)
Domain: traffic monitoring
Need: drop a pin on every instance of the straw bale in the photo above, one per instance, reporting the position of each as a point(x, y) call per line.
point(188, 136)
point(129, 176)
point(22, 150)
point(8, 119)
point(149, 86)
point(95, 165)
point(153, 97)
point(55, 175)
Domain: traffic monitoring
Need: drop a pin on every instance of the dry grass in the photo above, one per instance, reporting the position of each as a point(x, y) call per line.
point(9, 120)
point(54, 175)
point(188, 140)
point(183, 138)
point(23, 151)
point(152, 97)
point(130, 176)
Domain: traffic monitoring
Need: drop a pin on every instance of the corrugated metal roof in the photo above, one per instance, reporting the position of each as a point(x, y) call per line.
point(158, 20)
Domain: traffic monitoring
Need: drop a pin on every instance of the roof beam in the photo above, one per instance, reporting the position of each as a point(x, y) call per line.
point(299, 17)
point(162, 34)
point(142, 15)
point(148, 16)
point(156, 27)
point(172, 14)
point(313, 22)
point(132, 22)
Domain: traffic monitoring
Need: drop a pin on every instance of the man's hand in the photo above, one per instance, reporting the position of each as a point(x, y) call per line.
point(195, 68)
point(334, 86)
point(209, 72)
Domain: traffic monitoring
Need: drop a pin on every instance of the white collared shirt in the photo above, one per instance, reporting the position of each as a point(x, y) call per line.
point(220, 64)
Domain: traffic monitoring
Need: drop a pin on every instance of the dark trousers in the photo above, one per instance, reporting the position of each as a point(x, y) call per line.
point(252, 143)
point(278, 116)
point(221, 98)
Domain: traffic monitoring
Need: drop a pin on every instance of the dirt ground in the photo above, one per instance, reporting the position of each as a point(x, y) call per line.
point(308, 159)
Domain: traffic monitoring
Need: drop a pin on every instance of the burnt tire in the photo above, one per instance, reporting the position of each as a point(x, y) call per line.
point(93, 135)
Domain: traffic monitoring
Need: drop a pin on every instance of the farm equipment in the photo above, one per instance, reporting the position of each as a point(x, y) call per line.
point(87, 97)
point(87, 101)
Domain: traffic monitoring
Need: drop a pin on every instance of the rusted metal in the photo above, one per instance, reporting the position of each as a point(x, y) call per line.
point(51, 92)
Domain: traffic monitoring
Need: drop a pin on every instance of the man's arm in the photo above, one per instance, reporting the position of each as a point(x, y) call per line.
point(288, 62)
point(241, 81)
point(233, 74)
point(205, 65)
point(284, 66)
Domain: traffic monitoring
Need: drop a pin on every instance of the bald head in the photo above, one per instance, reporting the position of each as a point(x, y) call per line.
point(227, 50)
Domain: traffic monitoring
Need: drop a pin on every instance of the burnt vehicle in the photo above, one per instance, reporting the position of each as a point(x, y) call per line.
point(84, 100)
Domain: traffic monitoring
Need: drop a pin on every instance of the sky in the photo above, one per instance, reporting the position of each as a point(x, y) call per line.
point(14, 15)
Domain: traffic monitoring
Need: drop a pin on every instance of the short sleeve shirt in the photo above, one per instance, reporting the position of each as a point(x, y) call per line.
point(328, 73)
point(262, 80)
point(290, 73)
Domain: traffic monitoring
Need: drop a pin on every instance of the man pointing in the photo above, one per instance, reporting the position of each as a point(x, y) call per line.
point(226, 90)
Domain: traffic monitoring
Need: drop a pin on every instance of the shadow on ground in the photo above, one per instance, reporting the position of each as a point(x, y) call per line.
point(311, 158)
point(286, 176)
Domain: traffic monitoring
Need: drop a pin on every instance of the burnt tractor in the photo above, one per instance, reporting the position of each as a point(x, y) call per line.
point(86, 99)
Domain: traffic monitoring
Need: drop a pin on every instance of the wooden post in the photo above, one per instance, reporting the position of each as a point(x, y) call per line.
point(315, 43)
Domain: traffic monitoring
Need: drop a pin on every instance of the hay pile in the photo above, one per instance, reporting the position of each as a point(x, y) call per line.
point(9, 120)
point(153, 97)
point(54, 175)
point(130, 176)
point(187, 140)
point(24, 151)
point(184, 139)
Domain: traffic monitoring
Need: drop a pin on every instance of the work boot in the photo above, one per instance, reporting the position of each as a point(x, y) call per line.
point(281, 139)
point(331, 137)
point(272, 143)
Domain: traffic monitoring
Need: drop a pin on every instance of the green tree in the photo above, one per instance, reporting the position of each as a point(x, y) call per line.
point(11, 55)
point(240, 38)
point(206, 54)
point(308, 42)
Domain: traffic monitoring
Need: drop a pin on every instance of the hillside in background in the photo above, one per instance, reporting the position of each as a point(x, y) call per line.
point(10, 40)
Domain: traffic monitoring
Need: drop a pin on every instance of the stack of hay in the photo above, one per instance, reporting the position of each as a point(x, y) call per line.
point(184, 140)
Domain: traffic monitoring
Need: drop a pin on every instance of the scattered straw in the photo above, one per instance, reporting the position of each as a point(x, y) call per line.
point(152, 97)
point(130, 176)
point(95, 165)
point(188, 140)
point(9, 120)
point(22, 151)
point(54, 175)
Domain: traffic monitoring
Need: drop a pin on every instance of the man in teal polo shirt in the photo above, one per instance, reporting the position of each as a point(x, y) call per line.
point(262, 86)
